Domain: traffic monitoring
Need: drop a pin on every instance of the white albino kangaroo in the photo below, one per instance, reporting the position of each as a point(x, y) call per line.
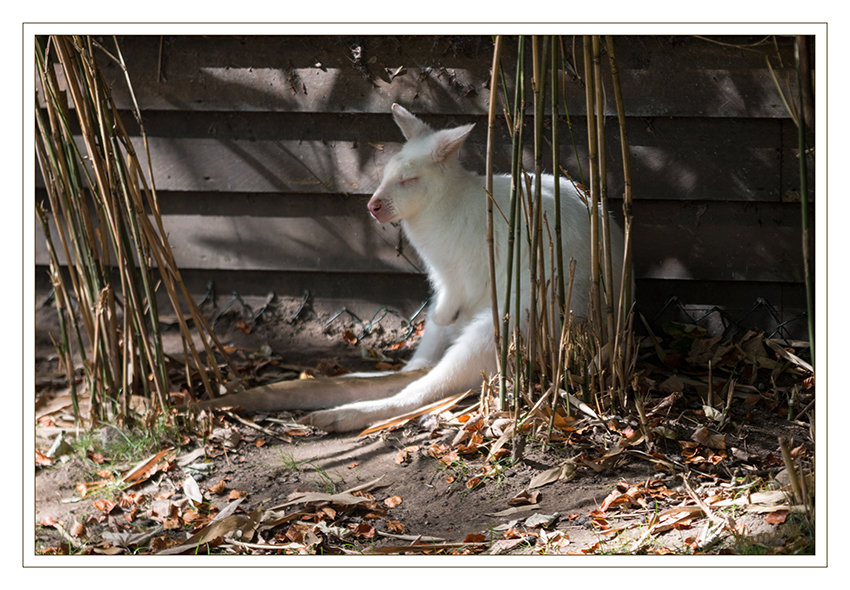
point(442, 209)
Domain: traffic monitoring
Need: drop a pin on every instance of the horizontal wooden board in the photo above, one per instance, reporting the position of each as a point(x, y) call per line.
point(718, 241)
point(331, 243)
point(682, 240)
point(677, 159)
point(661, 75)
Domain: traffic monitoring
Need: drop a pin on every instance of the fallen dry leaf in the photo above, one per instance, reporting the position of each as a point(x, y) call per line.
point(161, 461)
point(84, 488)
point(564, 472)
point(524, 497)
point(434, 408)
point(129, 499)
point(218, 488)
point(777, 516)
point(363, 530)
point(104, 505)
point(709, 439)
point(42, 460)
point(404, 454)
point(503, 545)
point(392, 501)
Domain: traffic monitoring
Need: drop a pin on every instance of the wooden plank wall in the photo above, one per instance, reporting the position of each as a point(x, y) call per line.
point(265, 150)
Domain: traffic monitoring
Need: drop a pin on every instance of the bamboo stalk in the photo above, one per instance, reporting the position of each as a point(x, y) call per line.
point(98, 209)
point(61, 310)
point(488, 189)
point(800, 53)
point(520, 210)
point(606, 302)
point(206, 333)
point(593, 173)
point(57, 148)
point(535, 256)
point(556, 163)
point(54, 204)
point(625, 296)
point(512, 225)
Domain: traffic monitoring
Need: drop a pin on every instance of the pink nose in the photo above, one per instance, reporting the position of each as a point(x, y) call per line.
point(375, 206)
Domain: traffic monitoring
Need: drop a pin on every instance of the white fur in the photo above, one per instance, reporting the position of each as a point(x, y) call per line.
point(442, 209)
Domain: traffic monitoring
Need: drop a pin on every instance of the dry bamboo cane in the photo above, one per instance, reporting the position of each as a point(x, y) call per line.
point(552, 307)
point(488, 189)
point(608, 282)
point(165, 260)
point(512, 225)
point(157, 249)
point(78, 81)
point(50, 165)
point(593, 174)
point(624, 305)
point(59, 145)
point(605, 303)
point(106, 118)
point(801, 56)
point(152, 346)
point(520, 207)
point(170, 289)
point(563, 83)
point(535, 256)
point(61, 309)
point(205, 331)
point(103, 134)
point(104, 127)
point(556, 162)
point(56, 142)
point(122, 218)
point(564, 345)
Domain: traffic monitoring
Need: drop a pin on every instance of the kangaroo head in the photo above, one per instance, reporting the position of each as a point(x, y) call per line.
point(417, 176)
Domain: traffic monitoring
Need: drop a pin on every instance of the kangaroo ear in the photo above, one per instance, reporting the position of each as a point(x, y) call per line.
point(448, 142)
point(408, 123)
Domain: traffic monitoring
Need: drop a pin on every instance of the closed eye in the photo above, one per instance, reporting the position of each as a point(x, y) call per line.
point(406, 182)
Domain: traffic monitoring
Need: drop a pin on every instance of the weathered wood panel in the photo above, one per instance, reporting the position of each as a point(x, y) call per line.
point(266, 148)
point(682, 240)
point(661, 75)
point(718, 241)
point(672, 159)
point(710, 159)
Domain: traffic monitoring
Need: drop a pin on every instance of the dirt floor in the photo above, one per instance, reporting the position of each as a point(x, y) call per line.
point(430, 486)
